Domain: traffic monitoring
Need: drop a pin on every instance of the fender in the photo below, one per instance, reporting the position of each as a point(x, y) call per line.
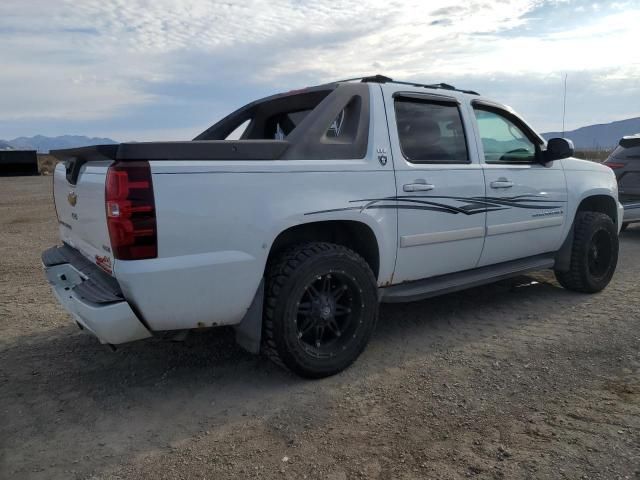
point(563, 255)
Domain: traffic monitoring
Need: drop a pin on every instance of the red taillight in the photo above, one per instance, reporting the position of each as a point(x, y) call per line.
point(131, 211)
point(615, 165)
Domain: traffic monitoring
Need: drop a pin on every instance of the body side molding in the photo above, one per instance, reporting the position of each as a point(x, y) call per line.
point(525, 225)
point(440, 237)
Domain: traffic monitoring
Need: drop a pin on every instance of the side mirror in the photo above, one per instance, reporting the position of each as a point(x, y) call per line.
point(557, 149)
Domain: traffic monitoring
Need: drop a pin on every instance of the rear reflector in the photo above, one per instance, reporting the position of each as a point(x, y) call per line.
point(131, 211)
point(614, 165)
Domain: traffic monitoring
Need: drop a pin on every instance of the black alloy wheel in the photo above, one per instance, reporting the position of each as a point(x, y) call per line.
point(594, 254)
point(321, 307)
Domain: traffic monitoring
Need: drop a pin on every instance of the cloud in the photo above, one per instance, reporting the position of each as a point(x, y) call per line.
point(141, 66)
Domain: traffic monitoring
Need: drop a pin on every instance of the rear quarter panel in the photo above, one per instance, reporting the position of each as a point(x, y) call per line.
point(215, 231)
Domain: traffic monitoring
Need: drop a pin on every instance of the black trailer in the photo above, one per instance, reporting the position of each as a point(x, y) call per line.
point(15, 163)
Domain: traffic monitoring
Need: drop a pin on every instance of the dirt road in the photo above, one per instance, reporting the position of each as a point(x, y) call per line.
point(520, 379)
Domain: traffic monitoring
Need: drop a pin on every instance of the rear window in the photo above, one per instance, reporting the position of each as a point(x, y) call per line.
point(621, 153)
point(430, 131)
point(632, 153)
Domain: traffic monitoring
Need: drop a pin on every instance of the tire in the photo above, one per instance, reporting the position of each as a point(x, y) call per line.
point(624, 227)
point(594, 254)
point(321, 307)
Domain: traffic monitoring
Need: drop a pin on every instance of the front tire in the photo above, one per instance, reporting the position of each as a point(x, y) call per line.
point(321, 307)
point(594, 254)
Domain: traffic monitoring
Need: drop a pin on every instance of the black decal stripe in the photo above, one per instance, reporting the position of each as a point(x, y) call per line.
point(473, 205)
point(473, 202)
point(396, 207)
point(515, 201)
point(406, 207)
point(478, 205)
point(537, 198)
point(448, 208)
point(466, 209)
point(331, 210)
point(415, 207)
point(519, 205)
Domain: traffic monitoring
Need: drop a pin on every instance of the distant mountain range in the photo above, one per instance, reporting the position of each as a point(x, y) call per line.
point(601, 136)
point(43, 144)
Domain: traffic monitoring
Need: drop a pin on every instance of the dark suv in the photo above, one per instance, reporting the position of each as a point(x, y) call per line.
point(625, 162)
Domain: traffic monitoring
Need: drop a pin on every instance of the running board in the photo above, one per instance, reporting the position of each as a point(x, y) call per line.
point(431, 287)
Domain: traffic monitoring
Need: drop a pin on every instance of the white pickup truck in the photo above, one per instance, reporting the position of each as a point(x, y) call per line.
point(294, 216)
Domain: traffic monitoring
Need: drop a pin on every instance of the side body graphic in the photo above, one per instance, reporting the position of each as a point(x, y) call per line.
point(470, 205)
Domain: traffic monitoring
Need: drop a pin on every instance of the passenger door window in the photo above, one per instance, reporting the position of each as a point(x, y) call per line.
point(430, 131)
point(502, 140)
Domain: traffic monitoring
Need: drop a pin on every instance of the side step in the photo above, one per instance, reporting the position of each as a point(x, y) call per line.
point(431, 287)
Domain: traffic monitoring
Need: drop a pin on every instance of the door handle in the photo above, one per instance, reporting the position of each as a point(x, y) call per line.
point(501, 183)
point(417, 187)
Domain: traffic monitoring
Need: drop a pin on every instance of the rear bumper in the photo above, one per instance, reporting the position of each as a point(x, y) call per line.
point(91, 296)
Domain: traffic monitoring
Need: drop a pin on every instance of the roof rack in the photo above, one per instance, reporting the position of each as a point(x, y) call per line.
point(383, 79)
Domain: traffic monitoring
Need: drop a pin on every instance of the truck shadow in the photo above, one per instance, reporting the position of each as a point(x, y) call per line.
point(212, 356)
point(632, 231)
point(61, 385)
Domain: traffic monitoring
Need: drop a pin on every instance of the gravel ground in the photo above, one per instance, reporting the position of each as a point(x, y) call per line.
point(520, 379)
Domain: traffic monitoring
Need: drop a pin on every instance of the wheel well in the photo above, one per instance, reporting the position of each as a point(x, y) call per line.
point(596, 203)
point(354, 235)
point(600, 203)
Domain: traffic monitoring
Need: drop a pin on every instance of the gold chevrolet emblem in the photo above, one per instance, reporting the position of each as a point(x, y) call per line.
point(72, 198)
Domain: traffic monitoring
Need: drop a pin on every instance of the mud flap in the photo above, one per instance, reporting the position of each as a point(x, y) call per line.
point(249, 330)
point(563, 256)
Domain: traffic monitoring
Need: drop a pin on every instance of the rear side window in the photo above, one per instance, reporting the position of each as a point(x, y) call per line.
point(430, 131)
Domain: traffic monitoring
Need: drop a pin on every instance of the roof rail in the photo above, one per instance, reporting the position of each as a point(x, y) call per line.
point(382, 79)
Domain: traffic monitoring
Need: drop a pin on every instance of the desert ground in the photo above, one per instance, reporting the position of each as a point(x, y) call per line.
point(517, 380)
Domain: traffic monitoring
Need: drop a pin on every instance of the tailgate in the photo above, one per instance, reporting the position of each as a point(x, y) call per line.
point(79, 194)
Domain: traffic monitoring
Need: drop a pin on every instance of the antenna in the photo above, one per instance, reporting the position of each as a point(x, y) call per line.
point(564, 103)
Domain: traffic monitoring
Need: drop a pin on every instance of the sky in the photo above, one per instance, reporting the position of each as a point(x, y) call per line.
point(168, 69)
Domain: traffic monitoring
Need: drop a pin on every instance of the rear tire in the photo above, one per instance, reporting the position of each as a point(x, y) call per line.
point(594, 254)
point(321, 307)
